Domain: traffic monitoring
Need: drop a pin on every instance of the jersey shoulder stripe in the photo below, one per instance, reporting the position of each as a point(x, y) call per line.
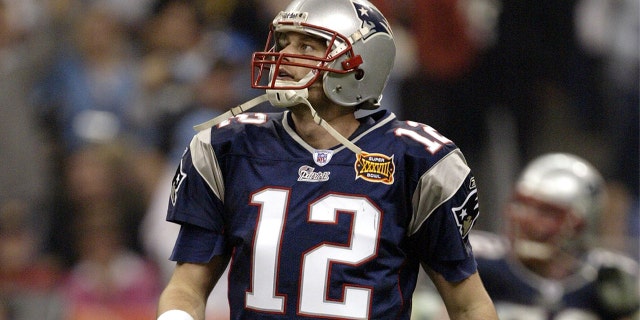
point(205, 161)
point(447, 175)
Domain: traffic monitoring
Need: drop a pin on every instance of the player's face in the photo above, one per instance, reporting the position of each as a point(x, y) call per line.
point(543, 221)
point(539, 225)
point(303, 45)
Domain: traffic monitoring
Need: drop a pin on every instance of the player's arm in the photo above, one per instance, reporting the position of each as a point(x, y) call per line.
point(464, 300)
point(189, 287)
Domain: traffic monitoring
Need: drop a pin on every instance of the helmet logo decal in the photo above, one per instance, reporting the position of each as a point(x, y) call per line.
point(467, 213)
point(372, 19)
point(375, 167)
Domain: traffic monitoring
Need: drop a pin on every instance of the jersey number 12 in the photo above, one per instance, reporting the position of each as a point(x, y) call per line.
point(316, 262)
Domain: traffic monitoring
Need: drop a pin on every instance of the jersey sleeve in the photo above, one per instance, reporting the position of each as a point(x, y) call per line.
point(196, 202)
point(445, 206)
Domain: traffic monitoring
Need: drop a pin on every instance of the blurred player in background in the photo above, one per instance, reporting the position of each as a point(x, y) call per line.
point(547, 267)
point(322, 214)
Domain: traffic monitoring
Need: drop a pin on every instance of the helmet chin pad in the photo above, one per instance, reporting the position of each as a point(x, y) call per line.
point(284, 98)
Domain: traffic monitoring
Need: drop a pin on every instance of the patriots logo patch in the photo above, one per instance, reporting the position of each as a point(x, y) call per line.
point(372, 19)
point(467, 213)
point(309, 174)
point(176, 182)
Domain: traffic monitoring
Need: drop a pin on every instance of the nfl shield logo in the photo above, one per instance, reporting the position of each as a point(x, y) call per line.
point(322, 157)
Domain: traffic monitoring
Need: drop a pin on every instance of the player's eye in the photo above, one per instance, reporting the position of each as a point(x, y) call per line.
point(307, 48)
point(312, 46)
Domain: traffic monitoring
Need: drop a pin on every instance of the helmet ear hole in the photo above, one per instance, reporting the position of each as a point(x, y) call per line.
point(359, 74)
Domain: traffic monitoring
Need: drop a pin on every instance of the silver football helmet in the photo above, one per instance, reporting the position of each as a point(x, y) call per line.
point(354, 70)
point(557, 201)
point(357, 63)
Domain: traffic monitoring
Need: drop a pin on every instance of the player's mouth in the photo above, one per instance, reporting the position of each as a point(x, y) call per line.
point(286, 76)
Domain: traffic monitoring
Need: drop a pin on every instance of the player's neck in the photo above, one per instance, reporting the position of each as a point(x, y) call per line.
point(342, 119)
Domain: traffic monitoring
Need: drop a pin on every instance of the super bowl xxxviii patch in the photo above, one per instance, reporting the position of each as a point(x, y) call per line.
point(375, 167)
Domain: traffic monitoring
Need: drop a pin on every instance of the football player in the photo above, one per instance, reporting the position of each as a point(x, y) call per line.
point(547, 267)
point(321, 214)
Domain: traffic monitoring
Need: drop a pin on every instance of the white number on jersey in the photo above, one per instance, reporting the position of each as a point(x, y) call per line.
point(316, 263)
point(432, 139)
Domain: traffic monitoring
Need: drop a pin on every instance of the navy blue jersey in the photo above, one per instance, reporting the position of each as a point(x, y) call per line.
point(521, 294)
point(324, 233)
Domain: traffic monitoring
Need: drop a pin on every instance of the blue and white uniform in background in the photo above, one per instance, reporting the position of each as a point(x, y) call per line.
point(520, 294)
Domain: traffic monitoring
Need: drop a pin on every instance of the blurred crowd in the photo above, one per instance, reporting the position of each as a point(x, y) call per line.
point(98, 99)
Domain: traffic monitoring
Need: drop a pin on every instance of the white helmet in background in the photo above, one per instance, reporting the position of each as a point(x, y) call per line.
point(360, 54)
point(557, 201)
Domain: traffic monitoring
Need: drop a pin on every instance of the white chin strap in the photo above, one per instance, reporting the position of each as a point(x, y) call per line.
point(231, 113)
point(282, 99)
